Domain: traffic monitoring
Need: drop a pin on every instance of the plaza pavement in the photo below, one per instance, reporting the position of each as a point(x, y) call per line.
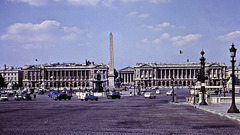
point(219, 109)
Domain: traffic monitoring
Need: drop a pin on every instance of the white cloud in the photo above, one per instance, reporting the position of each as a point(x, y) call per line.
point(143, 42)
point(134, 13)
point(151, 1)
point(138, 15)
point(143, 15)
point(183, 40)
point(158, 27)
point(106, 3)
point(83, 2)
point(34, 2)
point(160, 1)
point(235, 35)
point(162, 37)
point(126, 1)
point(48, 31)
point(71, 2)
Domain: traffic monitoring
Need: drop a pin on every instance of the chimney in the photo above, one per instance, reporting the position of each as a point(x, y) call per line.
point(5, 67)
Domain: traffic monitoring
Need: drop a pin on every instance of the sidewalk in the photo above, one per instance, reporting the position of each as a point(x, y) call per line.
point(219, 109)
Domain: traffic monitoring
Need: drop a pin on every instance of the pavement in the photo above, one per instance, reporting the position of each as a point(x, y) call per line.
point(219, 109)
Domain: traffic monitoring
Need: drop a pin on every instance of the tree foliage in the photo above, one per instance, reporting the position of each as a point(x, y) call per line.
point(2, 82)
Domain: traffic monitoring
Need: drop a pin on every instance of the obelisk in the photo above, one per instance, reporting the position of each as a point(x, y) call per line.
point(111, 64)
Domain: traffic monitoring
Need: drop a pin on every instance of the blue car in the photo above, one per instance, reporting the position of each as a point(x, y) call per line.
point(52, 94)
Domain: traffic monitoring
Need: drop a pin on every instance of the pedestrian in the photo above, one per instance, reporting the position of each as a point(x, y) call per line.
point(130, 93)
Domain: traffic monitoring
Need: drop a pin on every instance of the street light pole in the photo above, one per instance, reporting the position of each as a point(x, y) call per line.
point(202, 73)
point(233, 108)
point(173, 89)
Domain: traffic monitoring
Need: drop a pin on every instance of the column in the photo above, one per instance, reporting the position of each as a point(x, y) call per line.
point(77, 76)
point(181, 73)
point(174, 73)
point(177, 73)
point(169, 75)
point(165, 73)
point(190, 74)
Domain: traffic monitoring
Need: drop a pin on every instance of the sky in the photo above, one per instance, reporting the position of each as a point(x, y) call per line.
point(144, 31)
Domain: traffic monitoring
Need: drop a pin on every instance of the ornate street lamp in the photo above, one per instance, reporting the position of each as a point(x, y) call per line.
point(202, 76)
point(233, 108)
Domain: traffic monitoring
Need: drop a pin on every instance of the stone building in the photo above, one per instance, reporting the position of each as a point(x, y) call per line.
point(76, 76)
point(237, 75)
point(153, 74)
point(127, 75)
point(12, 76)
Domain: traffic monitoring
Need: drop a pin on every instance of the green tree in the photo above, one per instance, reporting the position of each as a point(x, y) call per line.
point(2, 82)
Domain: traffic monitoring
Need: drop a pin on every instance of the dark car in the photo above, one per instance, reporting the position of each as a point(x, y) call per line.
point(27, 97)
point(18, 97)
point(61, 96)
point(40, 92)
point(113, 95)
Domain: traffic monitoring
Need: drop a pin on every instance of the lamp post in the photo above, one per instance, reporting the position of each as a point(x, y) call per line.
point(194, 97)
point(233, 108)
point(202, 76)
point(134, 88)
point(224, 88)
point(173, 89)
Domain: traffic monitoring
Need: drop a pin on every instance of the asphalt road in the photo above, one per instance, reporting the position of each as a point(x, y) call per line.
point(128, 115)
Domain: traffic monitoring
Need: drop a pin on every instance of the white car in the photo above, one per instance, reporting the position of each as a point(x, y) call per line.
point(149, 95)
point(158, 92)
point(143, 90)
point(86, 96)
point(4, 97)
point(18, 97)
point(170, 92)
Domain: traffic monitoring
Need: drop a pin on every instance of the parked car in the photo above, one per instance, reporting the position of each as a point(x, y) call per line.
point(41, 92)
point(86, 96)
point(170, 92)
point(113, 95)
point(154, 87)
point(158, 92)
point(18, 97)
point(226, 91)
point(4, 97)
point(143, 89)
point(61, 96)
point(27, 97)
point(149, 95)
point(52, 93)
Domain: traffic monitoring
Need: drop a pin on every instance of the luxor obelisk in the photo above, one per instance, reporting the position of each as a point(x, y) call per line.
point(111, 64)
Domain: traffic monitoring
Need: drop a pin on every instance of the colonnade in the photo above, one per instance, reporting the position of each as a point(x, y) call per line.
point(127, 77)
point(61, 78)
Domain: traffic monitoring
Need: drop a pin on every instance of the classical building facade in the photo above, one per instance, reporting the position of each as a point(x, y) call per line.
point(76, 76)
point(237, 75)
point(12, 75)
point(181, 74)
point(127, 75)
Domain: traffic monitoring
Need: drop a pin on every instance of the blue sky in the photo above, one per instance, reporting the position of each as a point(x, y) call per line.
point(144, 31)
